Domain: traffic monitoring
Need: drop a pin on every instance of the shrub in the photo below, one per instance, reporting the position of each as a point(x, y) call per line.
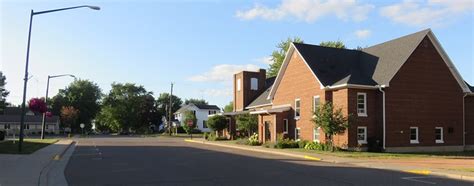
point(269, 144)
point(312, 146)
point(2, 135)
point(302, 143)
point(197, 131)
point(253, 140)
point(242, 141)
point(205, 135)
point(213, 137)
point(180, 130)
point(286, 143)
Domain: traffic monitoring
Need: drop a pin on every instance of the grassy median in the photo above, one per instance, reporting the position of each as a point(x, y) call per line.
point(29, 146)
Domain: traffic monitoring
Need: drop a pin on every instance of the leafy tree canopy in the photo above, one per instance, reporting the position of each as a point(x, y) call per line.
point(83, 95)
point(279, 55)
point(333, 44)
point(189, 122)
point(331, 120)
point(195, 101)
point(217, 122)
point(3, 92)
point(162, 104)
point(229, 107)
point(247, 123)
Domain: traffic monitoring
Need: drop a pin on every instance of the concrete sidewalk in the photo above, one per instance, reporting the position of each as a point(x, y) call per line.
point(29, 169)
point(424, 166)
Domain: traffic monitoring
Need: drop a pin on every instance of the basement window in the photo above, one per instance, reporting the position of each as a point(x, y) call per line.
point(297, 134)
point(414, 135)
point(439, 135)
point(362, 135)
point(362, 104)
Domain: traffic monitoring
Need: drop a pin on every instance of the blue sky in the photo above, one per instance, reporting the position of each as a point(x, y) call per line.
point(198, 45)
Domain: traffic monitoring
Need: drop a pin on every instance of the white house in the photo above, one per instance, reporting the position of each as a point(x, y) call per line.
point(10, 122)
point(201, 111)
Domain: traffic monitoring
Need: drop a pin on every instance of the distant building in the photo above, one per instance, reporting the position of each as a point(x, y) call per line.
point(201, 111)
point(10, 122)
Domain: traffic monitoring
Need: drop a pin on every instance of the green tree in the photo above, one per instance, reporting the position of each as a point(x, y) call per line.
point(331, 120)
point(247, 123)
point(279, 55)
point(217, 123)
point(130, 106)
point(333, 44)
point(107, 119)
point(195, 101)
point(83, 95)
point(189, 122)
point(229, 107)
point(3, 92)
point(162, 104)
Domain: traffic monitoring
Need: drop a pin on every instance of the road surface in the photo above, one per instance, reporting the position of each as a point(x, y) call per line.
point(171, 161)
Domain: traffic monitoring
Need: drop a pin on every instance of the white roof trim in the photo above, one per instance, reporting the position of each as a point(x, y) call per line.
point(266, 104)
point(350, 86)
point(448, 62)
point(281, 108)
point(283, 67)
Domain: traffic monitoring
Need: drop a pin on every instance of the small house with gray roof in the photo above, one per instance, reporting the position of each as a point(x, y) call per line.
point(201, 112)
point(404, 95)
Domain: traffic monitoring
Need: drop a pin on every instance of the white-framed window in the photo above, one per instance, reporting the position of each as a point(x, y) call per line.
point(316, 102)
point(253, 84)
point(362, 135)
point(6, 126)
point(316, 134)
point(47, 126)
point(414, 135)
point(27, 126)
point(297, 108)
point(204, 124)
point(361, 104)
point(238, 84)
point(439, 135)
point(297, 134)
point(285, 126)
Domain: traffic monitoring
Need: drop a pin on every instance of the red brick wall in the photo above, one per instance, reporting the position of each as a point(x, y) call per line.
point(469, 106)
point(425, 94)
point(245, 96)
point(298, 82)
point(368, 121)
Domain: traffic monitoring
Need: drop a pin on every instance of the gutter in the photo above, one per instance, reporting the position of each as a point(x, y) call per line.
point(464, 121)
point(380, 87)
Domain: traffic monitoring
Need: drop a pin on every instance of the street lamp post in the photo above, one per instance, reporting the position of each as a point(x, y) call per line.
point(43, 123)
point(23, 109)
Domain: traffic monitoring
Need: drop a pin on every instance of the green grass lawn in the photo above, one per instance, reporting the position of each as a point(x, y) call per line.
point(29, 146)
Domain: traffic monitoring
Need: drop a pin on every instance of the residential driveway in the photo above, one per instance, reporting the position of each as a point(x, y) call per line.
point(170, 161)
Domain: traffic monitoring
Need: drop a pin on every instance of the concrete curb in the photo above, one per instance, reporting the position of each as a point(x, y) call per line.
point(43, 175)
point(259, 150)
point(420, 172)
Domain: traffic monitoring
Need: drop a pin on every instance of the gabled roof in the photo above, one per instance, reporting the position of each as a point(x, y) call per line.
point(375, 65)
point(262, 98)
point(199, 106)
point(28, 118)
point(392, 55)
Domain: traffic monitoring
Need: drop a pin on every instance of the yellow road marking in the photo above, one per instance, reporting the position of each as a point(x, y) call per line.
point(312, 158)
point(422, 172)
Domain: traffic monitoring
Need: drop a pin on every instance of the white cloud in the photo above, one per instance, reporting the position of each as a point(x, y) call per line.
point(265, 60)
point(428, 13)
point(308, 10)
point(218, 92)
point(222, 73)
point(362, 34)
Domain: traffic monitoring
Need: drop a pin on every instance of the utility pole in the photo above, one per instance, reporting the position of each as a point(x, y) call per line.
point(170, 109)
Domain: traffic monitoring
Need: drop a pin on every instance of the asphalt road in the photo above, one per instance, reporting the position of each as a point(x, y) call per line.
point(171, 161)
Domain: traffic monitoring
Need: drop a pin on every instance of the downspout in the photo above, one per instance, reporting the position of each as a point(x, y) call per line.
point(464, 121)
point(383, 114)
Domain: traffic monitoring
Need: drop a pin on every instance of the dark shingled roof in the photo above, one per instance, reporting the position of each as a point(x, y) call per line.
point(28, 118)
point(470, 87)
point(211, 107)
point(262, 98)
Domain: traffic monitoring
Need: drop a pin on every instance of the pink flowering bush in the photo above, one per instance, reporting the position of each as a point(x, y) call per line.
point(49, 114)
point(37, 105)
